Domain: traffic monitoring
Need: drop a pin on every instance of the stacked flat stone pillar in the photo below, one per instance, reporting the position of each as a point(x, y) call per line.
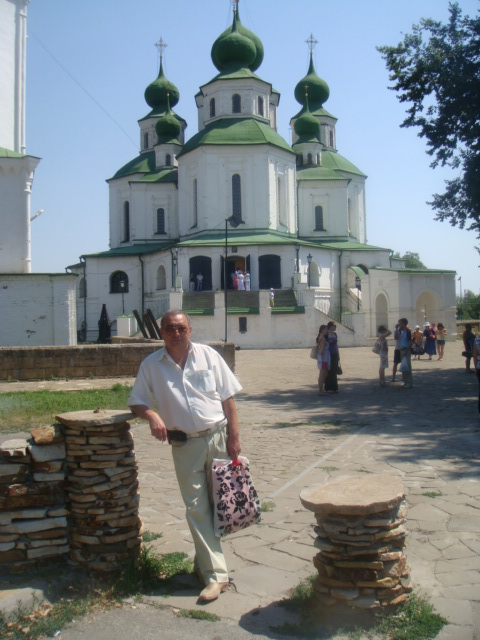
point(360, 541)
point(33, 517)
point(101, 488)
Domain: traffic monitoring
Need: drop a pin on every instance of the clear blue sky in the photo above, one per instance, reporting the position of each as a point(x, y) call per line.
point(89, 62)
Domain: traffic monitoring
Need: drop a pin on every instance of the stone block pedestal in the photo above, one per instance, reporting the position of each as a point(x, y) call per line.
point(101, 488)
point(360, 541)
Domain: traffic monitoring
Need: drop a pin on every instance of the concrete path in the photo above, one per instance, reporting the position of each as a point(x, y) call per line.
point(428, 435)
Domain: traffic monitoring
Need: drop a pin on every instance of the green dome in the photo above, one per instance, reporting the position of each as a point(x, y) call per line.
point(156, 92)
point(235, 53)
point(318, 89)
point(307, 126)
point(168, 127)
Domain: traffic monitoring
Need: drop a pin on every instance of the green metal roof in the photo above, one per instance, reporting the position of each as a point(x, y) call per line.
point(160, 175)
point(415, 272)
point(236, 131)
point(8, 153)
point(333, 160)
point(243, 237)
point(132, 250)
point(144, 163)
point(318, 173)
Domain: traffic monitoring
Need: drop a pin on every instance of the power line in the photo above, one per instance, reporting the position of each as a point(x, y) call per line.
point(72, 77)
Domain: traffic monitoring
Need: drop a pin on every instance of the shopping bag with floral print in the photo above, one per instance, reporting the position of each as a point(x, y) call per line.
point(236, 503)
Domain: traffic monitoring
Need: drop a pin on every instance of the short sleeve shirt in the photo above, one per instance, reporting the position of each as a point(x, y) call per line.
point(188, 399)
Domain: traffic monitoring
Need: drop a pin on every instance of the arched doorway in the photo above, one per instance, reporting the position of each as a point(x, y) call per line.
point(234, 263)
point(203, 265)
point(426, 309)
point(381, 312)
point(269, 273)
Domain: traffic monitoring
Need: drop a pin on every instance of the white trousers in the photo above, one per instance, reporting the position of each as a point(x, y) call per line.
point(193, 467)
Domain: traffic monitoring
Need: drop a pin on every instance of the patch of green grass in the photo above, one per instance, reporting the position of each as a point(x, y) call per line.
point(302, 597)
point(44, 620)
point(23, 410)
point(333, 423)
point(149, 536)
point(78, 596)
point(153, 570)
point(329, 468)
point(414, 620)
point(267, 505)
point(411, 620)
point(195, 614)
point(432, 494)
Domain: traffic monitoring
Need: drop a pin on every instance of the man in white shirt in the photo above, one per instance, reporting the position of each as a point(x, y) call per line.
point(193, 389)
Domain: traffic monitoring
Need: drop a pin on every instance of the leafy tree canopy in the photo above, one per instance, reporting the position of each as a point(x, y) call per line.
point(412, 260)
point(468, 307)
point(436, 70)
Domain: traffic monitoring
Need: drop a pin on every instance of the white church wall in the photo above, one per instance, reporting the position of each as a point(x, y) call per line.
point(98, 272)
point(38, 310)
point(332, 196)
point(13, 27)
point(356, 209)
point(16, 177)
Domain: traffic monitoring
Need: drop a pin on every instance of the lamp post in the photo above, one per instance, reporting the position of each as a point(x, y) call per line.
point(234, 222)
point(297, 262)
point(358, 284)
point(309, 260)
point(122, 289)
point(175, 267)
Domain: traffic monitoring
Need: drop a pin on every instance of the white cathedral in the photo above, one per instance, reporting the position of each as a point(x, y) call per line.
point(237, 196)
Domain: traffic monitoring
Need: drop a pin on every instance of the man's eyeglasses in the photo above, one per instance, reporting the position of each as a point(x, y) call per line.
point(172, 328)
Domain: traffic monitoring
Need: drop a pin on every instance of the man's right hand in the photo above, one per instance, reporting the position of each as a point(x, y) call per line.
point(157, 426)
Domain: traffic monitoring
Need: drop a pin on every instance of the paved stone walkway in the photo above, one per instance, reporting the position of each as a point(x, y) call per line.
point(429, 435)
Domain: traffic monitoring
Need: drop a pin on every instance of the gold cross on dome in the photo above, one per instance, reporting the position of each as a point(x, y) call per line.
point(161, 46)
point(311, 42)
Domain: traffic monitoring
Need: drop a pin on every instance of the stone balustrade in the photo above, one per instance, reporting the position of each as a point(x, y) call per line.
point(360, 540)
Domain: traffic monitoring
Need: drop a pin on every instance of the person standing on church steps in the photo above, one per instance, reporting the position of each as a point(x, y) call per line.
point(193, 389)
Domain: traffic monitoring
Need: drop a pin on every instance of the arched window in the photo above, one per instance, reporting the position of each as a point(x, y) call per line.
point(126, 221)
point(160, 221)
point(195, 204)
point(319, 219)
point(309, 159)
point(82, 288)
point(168, 160)
point(331, 138)
point(212, 108)
point(299, 160)
point(318, 160)
point(281, 201)
point(119, 282)
point(260, 106)
point(236, 103)
point(145, 140)
point(236, 198)
point(161, 278)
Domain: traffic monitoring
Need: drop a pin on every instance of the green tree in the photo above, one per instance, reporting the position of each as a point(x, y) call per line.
point(468, 307)
point(412, 260)
point(436, 70)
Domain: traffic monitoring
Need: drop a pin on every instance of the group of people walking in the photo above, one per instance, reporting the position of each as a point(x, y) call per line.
point(430, 341)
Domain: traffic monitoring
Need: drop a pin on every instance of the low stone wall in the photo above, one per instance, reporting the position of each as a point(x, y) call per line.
point(71, 489)
point(33, 522)
point(87, 361)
